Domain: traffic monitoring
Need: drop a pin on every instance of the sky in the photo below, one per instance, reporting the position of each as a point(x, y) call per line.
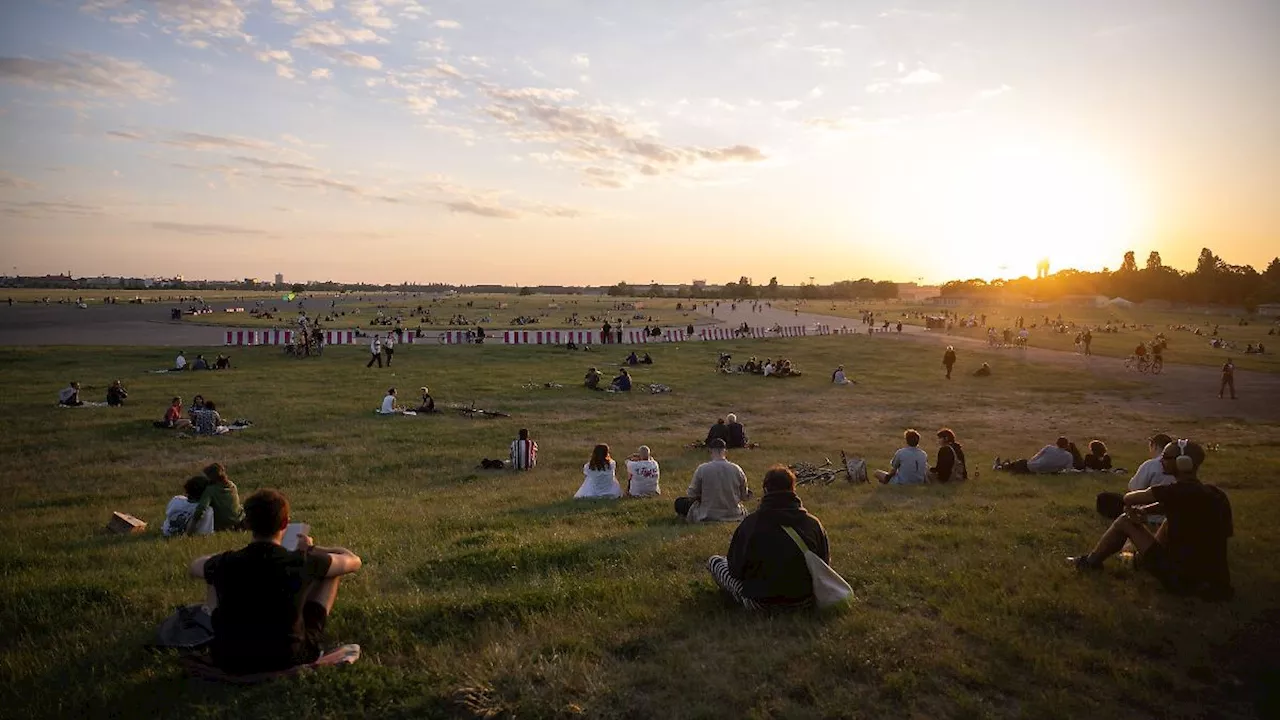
point(595, 141)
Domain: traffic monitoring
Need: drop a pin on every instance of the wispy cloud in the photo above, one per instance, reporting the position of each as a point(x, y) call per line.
point(88, 74)
point(9, 181)
point(205, 229)
point(447, 24)
point(37, 209)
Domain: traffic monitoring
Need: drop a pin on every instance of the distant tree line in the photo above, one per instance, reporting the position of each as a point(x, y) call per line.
point(1213, 281)
point(745, 289)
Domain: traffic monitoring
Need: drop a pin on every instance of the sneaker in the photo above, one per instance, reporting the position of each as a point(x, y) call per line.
point(1082, 562)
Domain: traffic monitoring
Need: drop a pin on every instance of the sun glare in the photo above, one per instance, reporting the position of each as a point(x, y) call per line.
point(1011, 208)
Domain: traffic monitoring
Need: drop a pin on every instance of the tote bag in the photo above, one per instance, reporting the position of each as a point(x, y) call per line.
point(829, 589)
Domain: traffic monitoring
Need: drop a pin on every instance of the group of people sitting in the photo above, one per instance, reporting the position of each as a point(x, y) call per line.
point(731, 432)
point(69, 396)
point(769, 368)
point(222, 362)
point(600, 480)
point(634, 360)
point(391, 403)
point(620, 383)
point(1061, 456)
point(202, 417)
point(910, 464)
point(1252, 349)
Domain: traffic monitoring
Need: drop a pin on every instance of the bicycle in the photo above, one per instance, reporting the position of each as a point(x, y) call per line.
point(472, 411)
point(1139, 363)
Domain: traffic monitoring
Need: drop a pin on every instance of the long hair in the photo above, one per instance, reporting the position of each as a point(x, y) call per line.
point(600, 458)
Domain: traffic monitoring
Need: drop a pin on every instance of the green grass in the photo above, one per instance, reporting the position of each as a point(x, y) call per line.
point(490, 594)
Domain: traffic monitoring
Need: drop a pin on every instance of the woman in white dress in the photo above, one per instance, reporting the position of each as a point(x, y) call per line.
point(599, 481)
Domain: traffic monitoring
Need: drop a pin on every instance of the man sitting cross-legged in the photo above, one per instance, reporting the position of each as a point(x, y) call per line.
point(717, 490)
point(269, 604)
point(765, 568)
point(1188, 554)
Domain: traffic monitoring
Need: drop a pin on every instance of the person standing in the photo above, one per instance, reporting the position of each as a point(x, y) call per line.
point(1088, 341)
point(375, 351)
point(389, 347)
point(949, 360)
point(717, 490)
point(606, 335)
point(1228, 379)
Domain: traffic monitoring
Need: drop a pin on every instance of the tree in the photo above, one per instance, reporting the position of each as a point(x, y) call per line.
point(1154, 263)
point(773, 287)
point(655, 290)
point(1272, 273)
point(620, 290)
point(297, 288)
point(1208, 263)
point(526, 290)
point(1130, 263)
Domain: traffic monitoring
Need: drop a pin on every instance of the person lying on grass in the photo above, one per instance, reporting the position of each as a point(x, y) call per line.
point(1051, 459)
point(116, 394)
point(270, 605)
point(910, 464)
point(1188, 554)
point(221, 498)
point(173, 419)
point(643, 474)
point(598, 476)
point(177, 515)
point(717, 490)
point(70, 395)
point(524, 452)
point(984, 371)
point(765, 569)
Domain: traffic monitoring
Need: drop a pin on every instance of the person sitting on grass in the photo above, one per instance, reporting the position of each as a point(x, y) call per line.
point(197, 404)
point(768, 368)
point(173, 417)
point(177, 515)
point(389, 406)
point(70, 395)
point(221, 498)
point(646, 359)
point(1077, 458)
point(116, 394)
point(717, 490)
point(1189, 552)
point(598, 476)
point(206, 419)
point(643, 474)
point(909, 465)
point(1097, 459)
point(632, 359)
point(839, 378)
point(765, 569)
point(524, 452)
point(180, 362)
point(428, 404)
point(222, 363)
point(622, 383)
point(1051, 459)
point(270, 605)
point(984, 371)
point(951, 465)
point(718, 431)
point(200, 363)
point(592, 379)
point(751, 365)
point(1149, 474)
point(737, 433)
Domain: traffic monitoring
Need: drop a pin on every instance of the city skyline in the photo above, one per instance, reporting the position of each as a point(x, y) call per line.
point(559, 142)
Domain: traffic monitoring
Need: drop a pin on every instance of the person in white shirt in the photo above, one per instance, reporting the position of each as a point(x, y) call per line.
point(598, 478)
point(178, 513)
point(642, 474)
point(389, 347)
point(769, 369)
point(839, 378)
point(1151, 473)
point(180, 363)
point(910, 464)
point(375, 351)
point(389, 406)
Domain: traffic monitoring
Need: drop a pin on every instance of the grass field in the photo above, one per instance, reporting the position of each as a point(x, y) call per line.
point(490, 594)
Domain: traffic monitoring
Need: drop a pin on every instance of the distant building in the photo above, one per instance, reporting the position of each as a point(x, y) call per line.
point(279, 279)
point(912, 292)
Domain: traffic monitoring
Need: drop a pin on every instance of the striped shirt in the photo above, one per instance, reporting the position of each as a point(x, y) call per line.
point(524, 454)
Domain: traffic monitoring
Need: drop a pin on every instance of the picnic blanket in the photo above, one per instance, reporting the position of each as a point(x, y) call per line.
point(84, 405)
point(378, 411)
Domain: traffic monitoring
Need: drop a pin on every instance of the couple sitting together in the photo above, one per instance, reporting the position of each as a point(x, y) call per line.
point(632, 360)
point(210, 503)
point(1059, 457)
point(621, 383)
point(910, 464)
point(732, 433)
point(599, 481)
point(390, 406)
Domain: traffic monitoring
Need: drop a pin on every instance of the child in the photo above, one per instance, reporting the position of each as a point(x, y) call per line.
point(177, 516)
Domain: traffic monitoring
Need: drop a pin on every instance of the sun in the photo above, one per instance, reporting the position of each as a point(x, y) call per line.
point(1010, 208)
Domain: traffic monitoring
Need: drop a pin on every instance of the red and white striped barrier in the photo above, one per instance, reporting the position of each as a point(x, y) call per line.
point(673, 336)
point(340, 337)
point(453, 337)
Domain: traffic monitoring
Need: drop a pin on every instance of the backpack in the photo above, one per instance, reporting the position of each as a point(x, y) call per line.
point(190, 627)
point(856, 467)
point(958, 469)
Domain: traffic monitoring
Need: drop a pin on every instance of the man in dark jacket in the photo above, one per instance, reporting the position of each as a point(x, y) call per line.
point(737, 437)
point(765, 568)
point(718, 431)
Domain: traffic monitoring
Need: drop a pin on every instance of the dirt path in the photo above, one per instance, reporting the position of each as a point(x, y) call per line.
point(1186, 391)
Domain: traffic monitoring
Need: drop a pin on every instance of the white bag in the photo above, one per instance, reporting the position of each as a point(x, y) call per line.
point(829, 589)
point(856, 468)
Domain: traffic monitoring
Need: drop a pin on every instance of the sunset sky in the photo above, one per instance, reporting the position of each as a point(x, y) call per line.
point(588, 142)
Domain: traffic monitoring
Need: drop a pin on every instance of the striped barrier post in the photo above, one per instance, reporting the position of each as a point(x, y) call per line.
point(230, 335)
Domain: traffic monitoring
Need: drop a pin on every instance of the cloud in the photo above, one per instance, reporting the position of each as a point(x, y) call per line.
point(9, 181)
point(921, 76)
point(205, 228)
point(356, 60)
point(827, 56)
point(476, 207)
point(280, 56)
point(211, 18)
point(321, 74)
point(271, 164)
point(369, 14)
point(203, 141)
point(330, 34)
point(89, 74)
point(604, 178)
point(881, 86)
point(48, 208)
point(989, 93)
point(321, 5)
point(285, 72)
point(447, 24)
point(581, 60)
